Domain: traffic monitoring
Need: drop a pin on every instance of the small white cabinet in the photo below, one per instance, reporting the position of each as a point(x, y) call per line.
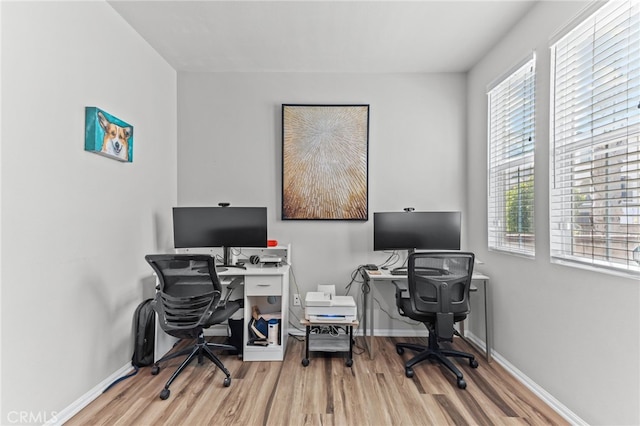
point(267, 288)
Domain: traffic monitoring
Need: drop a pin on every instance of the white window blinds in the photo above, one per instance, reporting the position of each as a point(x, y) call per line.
point(511, 148)
point(595, 130)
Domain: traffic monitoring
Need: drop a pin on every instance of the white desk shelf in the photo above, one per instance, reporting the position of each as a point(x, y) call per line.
point(320, 342)
point(266, 287)
point(328, 343)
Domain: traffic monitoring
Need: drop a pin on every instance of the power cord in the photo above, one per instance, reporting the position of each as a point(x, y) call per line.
point(291, 312)
point(393, 258)
point(354, 278)
point(295, 284)
point(393, 317)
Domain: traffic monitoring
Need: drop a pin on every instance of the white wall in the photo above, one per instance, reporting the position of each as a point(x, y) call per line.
point(574, 332)
point(75, 225)
point(229, 149)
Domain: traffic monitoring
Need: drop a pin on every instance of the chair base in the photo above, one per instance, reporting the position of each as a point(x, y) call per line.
point(201, 349)
point(433, 351)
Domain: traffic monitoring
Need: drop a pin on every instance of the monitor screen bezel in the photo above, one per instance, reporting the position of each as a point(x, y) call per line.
point(220, 219)
point(388, 225)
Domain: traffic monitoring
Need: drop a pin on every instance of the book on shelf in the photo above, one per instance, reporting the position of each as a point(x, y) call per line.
point(259, 327)
point(256, 314)
point(273, 315)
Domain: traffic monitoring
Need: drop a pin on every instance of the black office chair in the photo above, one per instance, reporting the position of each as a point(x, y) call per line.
point(439, 285)
point(188, 300)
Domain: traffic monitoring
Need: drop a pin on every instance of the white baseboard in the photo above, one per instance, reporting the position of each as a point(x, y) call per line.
point(401, 333)
point(63, 416)
point(545, 396)
point(549, 399)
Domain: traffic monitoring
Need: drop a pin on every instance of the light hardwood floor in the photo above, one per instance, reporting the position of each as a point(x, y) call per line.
point(327, 392)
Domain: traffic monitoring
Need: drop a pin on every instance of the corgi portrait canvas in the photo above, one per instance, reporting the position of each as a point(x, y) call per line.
point(107, 135)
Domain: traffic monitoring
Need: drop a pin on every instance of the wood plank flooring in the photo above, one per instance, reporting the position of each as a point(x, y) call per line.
point(327, 392)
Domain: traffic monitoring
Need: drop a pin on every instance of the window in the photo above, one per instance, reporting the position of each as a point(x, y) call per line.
point(595, 131)
point(511, 149)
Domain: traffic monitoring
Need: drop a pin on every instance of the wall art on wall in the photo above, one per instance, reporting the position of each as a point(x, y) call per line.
point(325, 162)
point(107, 135)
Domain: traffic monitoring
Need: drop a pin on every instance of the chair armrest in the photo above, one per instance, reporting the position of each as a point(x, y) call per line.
point(235, 283)
point(401, 287)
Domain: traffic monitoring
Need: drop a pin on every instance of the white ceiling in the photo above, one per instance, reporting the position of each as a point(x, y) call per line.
point(322, 36)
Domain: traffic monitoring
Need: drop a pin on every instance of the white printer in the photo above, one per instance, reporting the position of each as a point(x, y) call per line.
point(324, 305)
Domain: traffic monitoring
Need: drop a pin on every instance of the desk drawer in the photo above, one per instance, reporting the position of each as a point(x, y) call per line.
point(263, 285)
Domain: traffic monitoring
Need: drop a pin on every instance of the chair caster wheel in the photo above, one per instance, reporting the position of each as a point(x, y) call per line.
point(155, 370)
point(399, 350)
point(462, 384)
point(165, 394)
point(408, 372)
point(305, 362)
point(473, 363)
point(349, 362)
point(227, 382)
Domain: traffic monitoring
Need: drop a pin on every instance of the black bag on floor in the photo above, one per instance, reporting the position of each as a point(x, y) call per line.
point(144, 321)
point(235, 339)
point(144, 324)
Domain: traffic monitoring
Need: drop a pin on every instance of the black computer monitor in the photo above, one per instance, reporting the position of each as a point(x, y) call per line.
point(411, 230)
point(225, 227)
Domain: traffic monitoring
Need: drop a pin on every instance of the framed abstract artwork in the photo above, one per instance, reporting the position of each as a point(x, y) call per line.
point(325, 152)
point(107, 135)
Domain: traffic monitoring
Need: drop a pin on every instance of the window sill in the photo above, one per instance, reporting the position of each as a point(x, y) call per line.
point(634, 273)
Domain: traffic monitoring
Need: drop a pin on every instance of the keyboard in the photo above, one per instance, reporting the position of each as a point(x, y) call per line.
point(399, 271)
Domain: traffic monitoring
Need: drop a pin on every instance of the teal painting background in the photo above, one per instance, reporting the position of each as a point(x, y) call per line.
point(94, 134)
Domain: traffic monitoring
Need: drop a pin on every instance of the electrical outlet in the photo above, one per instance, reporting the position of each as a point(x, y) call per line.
point(296, 300)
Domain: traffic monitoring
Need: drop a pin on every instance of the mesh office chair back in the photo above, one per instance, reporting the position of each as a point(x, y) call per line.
point(439, 284)
point(187, 301)
point(189, 291)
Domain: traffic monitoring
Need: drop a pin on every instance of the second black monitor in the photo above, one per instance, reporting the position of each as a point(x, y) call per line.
point(416, 230)
point(219, 227)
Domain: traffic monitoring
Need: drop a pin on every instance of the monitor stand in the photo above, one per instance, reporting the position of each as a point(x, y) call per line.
point(226, 257)
point(402, 270)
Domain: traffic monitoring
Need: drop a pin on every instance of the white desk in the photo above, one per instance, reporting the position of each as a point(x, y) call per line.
point(260, 284)
point(383, 277)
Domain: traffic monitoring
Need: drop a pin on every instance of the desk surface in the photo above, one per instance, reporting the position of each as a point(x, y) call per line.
point(382, 274)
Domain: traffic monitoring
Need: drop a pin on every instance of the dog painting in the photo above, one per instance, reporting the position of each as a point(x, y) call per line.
point(107, 135)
